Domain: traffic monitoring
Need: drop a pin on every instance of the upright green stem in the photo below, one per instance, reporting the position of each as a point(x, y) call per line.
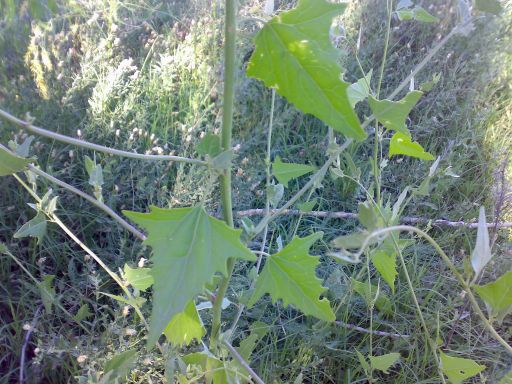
point(227, 129)
point(376, 169)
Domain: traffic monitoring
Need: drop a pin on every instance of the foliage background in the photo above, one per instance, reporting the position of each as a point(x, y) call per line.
point(146, 76)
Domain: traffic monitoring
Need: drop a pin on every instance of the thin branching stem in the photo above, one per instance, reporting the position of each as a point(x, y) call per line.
point(244, 363)
point(105, 208)
point(27, 126)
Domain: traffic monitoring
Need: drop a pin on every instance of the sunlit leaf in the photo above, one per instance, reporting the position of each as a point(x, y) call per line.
point(10, 163)
point(360, 90)
point(497, 294)
point(393, 114)
point(284, 172)
point(458, 369)
point(481, 254)
point(185, 327)
point(290, 51)
point(189, 247)
point(210, 145)
point(353, 240)
point(402, 144)
point(507, 379)
point(47, 291)
point(290, 275)
point(36, 227)
point(385, 263)
point(139, 278)
point(489, 6)
point(384, 362)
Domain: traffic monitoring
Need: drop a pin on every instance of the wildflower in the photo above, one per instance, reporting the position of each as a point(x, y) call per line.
point(118, 132)
point(130, 332)
point(27, 327)
point(237, 147)
point(141, 263)
point(126, 310)
point(79, 133)
point(81, 359)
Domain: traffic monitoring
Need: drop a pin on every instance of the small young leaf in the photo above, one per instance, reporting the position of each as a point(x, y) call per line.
point(82, 313)
point(120, 365)
point(421, 14)
point(275, 194)
point(353, 240)
point(284, 172)
point(222, 161)
point(402, 144)
point(392, 114)
point(22, 150)
point(363, 362)
point(247, 345)
point(185, 326)
point(458, 369)
point(214, 370)
point(405, 14)
point(307, 206)
point(290, 275)
point(385, 263)
point(481, 254)
point(210, 145)
point(47, 291)
point(10, 163)
point(384, 362)
point(290, 49)
point(368, 293)
point(189, 247)
point(427, 86)
point(489, 6)
point(497, 294)
point(36, 227)
point(360, 90)
point(139, 278)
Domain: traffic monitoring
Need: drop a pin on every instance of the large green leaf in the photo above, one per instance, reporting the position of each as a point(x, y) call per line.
point(290, 275)
point(10, 163)
point(392, 114)
point(284, 172)
point(185, 326)
point(498, 294)
point(189, 247)
point(458, 369)
point(402, 144)
point(294, 55)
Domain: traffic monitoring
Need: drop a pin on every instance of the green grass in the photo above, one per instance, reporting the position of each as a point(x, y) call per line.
point(146, 71)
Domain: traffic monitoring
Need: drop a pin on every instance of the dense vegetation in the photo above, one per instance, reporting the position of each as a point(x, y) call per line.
point(150, 78)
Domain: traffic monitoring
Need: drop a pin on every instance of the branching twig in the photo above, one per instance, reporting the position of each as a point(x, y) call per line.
point(351, 215)
point(242, 361)
point(369, 331)
point(25, 125)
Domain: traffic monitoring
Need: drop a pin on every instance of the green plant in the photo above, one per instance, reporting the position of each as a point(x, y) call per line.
point(190, 246)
